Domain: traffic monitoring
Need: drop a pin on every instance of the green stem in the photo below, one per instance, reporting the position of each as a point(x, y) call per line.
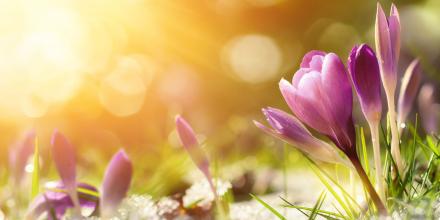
point(374, 130)
point(367, 184)
point(395, 148)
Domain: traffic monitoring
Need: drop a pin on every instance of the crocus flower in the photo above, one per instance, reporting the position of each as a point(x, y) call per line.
point(320, 95)
point(19, 155)
point(429, 110)
point(55, 201)
point(408, 91)
point(191, 145)
point(388, 49)
point(365, 75)
point(63, 155)
point(116, 183)
point(289, 129)
point(388, 45)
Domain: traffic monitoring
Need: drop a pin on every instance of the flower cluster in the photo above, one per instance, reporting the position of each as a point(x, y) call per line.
point(71, 194)
point(320, 96)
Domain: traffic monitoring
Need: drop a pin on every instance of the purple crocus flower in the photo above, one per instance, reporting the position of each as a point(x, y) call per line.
point(408, 90)
point(289, 129)
point(320, 95)
point(19, 155)
point(365, 75)
point(55, 201)
point(189, 141)
point(429, 110)
point(388, 49)
point(116, 183)
point(63, 154)
point(388, 45)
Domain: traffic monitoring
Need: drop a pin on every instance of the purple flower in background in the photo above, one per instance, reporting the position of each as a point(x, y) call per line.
point(289, 129)
point(388, 45)
point(388, 49)
point(63, 154)
point(408, 91)
point(320, 95)
point(117, 179)
point(56, 201)
point(365, 75)
point(429, 110)
point(19, 155)
point(189, 141)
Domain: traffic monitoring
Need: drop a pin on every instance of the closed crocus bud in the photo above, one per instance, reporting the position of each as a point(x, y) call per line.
point(289, 129)
point(388, 49)
point(429, 110)
point(19, 156)
point(388, 45)
point(117, 179)
point(191, 145)
point(408, 91)
point(63, 155)
point(365, 75)
point(320, 96)
point(198, 156)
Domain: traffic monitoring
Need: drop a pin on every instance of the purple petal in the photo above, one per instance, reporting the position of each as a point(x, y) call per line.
point(116, 182)
point(189, 141)
point(408, 90)
point(287, 125)
point(63, 154)
point(384, 49)
point(305, 63)
point(365, 75)
point(394, 27)
point(186, 133)
point(19, 155)
point(289, 129)
point(309, 112)
point(338, 100)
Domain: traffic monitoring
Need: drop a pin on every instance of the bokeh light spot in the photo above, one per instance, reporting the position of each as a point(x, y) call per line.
point(254, 58)
point(122, 92)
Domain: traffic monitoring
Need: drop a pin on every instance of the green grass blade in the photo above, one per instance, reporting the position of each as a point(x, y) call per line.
point(364, 152)
point(319, 211)
point(353, 201)
point(270, 208)
point(332, 191)
point(290, 205)
point(432, 145)
point(317, 206)
point(36, 172)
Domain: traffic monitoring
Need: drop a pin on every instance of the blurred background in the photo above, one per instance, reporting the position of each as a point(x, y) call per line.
point(111, 74)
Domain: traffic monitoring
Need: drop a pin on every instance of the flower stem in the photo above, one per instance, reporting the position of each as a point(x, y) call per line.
point(374, 130)
point(76, 206)
point(395, 149)
point(367, 184)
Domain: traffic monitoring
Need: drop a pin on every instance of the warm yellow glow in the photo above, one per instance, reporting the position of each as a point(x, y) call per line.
point(254, 58)
point(122, 92)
